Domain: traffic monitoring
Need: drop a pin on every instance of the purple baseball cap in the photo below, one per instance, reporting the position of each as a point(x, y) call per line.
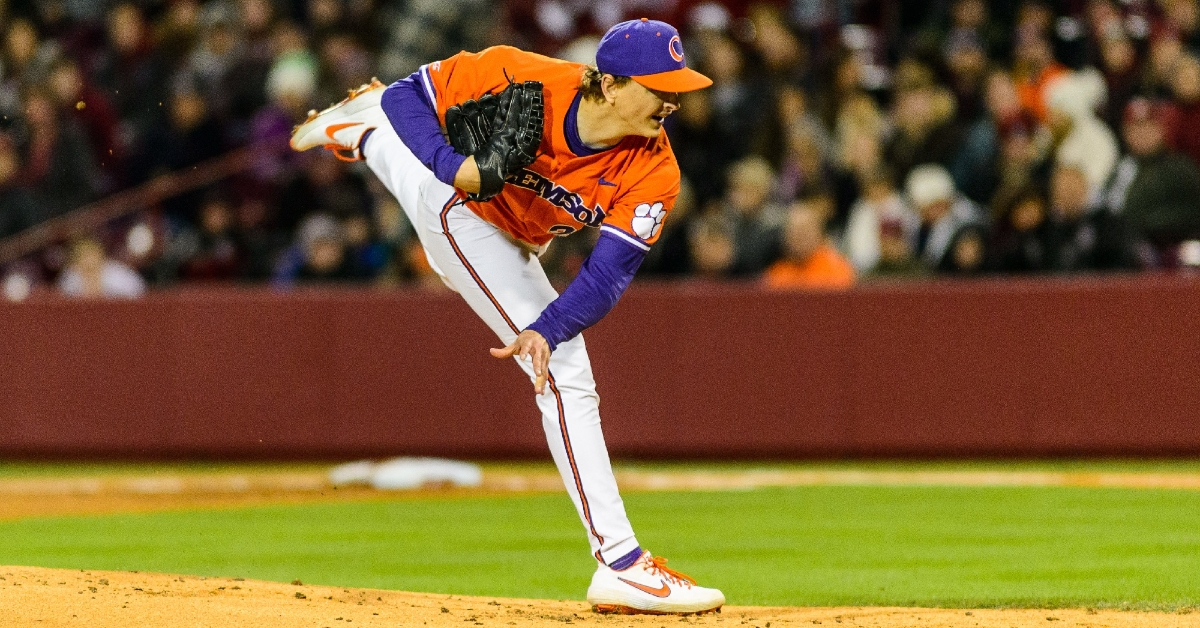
point(651, 53)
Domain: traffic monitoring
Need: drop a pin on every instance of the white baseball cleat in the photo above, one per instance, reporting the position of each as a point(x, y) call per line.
point(649, 587)
point(340, 128)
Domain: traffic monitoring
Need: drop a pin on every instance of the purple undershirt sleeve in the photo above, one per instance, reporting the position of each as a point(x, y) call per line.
point(601, 281)
point(414, 118)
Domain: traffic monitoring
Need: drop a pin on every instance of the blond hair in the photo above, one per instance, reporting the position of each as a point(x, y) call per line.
point(592, 81)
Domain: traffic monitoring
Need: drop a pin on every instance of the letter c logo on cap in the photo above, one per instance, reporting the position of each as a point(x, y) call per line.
point(676, 48)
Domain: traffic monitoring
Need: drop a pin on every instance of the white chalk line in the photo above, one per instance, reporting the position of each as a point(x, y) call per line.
point(629, 480)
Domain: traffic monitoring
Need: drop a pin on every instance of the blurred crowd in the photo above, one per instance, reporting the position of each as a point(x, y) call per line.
point(842, 140)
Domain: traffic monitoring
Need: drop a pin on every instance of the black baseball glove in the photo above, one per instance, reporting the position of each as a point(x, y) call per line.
point(501, 131)
point(469, 123)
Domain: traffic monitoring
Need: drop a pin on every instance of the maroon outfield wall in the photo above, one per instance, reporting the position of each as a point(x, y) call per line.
point(1052, 367)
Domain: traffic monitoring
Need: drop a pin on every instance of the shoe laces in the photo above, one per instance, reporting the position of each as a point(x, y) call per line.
point(657, 565)
point(362, 89)
point(348, 155)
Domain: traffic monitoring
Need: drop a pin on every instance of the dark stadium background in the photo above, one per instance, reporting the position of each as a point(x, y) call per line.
point(940, 149)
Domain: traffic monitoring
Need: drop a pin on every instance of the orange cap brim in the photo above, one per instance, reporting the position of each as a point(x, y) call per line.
point(675, 81)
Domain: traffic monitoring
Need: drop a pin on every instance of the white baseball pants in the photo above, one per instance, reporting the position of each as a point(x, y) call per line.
point(506, 286)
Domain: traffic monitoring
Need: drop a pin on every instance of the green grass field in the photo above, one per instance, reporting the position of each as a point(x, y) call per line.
point(911, 546)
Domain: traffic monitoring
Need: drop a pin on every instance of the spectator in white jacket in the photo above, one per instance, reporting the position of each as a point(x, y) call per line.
point(1080, 138)
point(880, 204)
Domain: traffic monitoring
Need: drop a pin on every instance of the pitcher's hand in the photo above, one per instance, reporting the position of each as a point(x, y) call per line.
point(530, 344)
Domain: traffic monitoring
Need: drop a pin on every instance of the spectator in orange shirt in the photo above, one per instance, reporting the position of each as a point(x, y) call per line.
point(808, 261)
point(1034, 70)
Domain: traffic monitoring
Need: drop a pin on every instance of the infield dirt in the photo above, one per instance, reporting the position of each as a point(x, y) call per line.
point(36, 597)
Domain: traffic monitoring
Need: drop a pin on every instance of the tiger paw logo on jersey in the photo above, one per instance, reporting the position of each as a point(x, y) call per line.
point(647, 220)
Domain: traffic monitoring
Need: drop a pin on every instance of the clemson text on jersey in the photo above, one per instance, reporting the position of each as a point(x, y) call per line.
point(562, 198)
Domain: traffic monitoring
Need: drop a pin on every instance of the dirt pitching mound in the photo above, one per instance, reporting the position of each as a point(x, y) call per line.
point(31, 596)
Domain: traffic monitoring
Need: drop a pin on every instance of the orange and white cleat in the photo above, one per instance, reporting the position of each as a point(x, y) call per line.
point(340, 128)
point(649, 587)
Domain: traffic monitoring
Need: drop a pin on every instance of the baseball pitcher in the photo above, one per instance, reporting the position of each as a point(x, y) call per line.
point(492, 155)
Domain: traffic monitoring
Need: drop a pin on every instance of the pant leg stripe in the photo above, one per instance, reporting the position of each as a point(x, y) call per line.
point(562, 415)
point(463, 258)
point(562, 427)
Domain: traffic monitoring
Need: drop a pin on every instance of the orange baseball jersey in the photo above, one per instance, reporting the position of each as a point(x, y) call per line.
point(626, 190)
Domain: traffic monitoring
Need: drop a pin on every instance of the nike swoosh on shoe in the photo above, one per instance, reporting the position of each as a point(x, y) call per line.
point(334, 128)
point(662, 591)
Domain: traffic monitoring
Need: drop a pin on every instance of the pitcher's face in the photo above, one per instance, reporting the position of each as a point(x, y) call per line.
point(642, 109)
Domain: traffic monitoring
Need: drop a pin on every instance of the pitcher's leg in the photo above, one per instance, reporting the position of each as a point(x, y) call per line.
point(507, 287)
point(515, 286)
point(571, 418)
point(405, 177)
